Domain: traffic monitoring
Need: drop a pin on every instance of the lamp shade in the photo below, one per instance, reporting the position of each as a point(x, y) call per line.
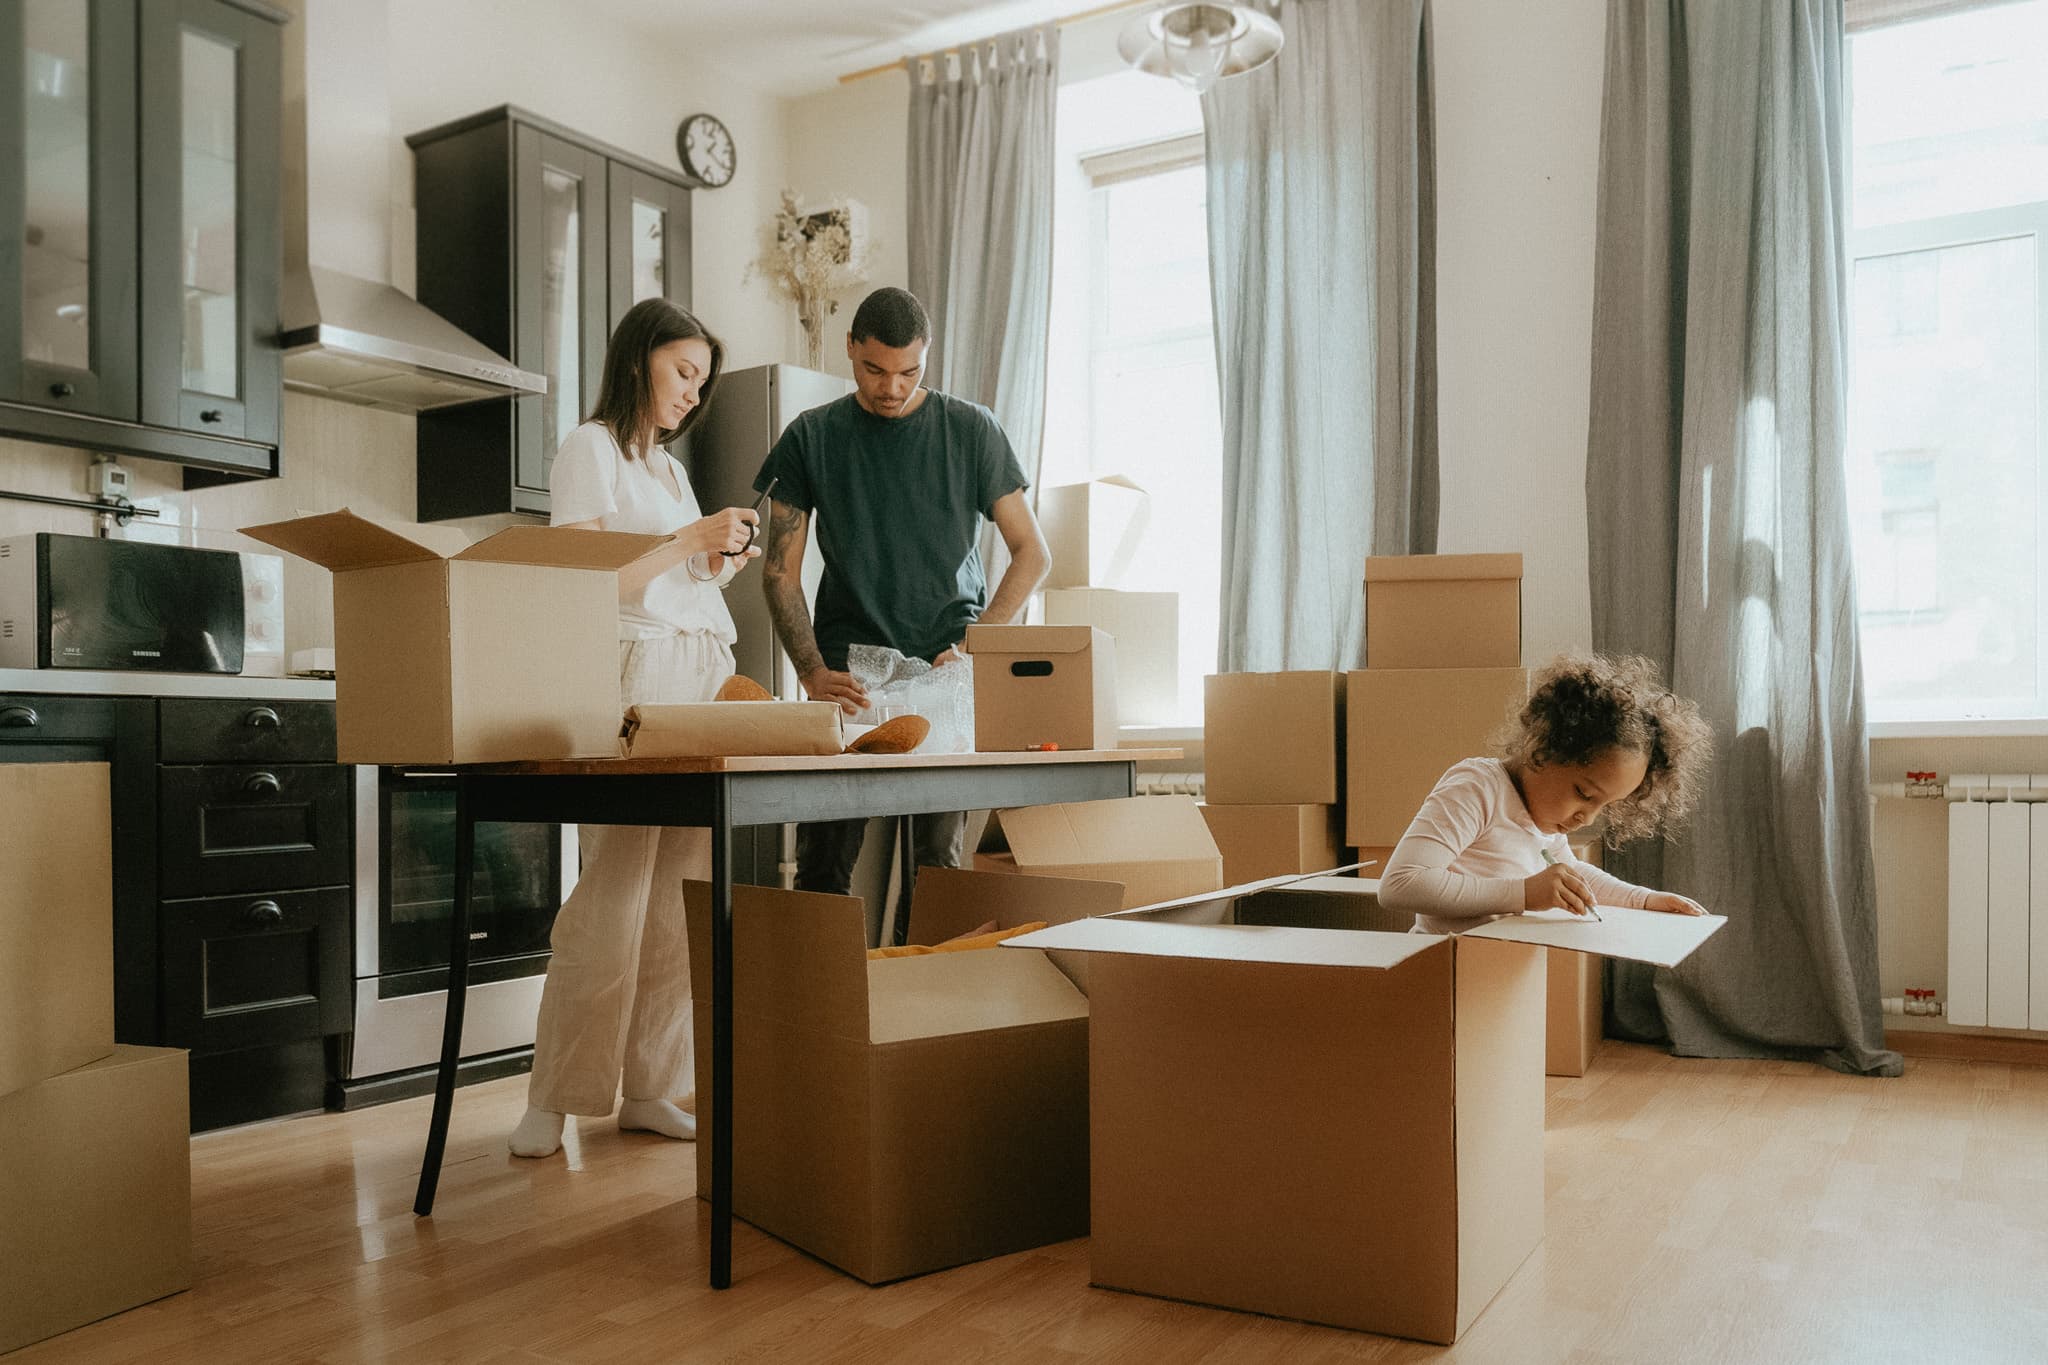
point(1199, 43)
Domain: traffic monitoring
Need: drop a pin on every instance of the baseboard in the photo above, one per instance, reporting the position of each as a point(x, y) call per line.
point(1968, 1047)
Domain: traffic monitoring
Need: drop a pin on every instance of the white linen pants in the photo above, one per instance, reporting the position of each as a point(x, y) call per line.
point(616, 1006)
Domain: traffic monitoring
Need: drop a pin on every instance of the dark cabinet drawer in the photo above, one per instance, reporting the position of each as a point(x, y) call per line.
point(248, 971)
point(35, 719)
point(196, 730)
point(228, 828)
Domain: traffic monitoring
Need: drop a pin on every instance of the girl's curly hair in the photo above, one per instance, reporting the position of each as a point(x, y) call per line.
point(1585, 704)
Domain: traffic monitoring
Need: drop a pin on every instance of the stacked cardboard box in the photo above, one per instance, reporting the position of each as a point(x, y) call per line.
point(1273, 772)
point(1093, 530)
point(95, 1177)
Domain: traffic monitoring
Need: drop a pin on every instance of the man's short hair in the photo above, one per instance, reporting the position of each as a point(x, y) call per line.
point(893, 317)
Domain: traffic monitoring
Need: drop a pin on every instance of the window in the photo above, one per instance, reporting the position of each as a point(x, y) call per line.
point(1949, 244)
point(1131, 379)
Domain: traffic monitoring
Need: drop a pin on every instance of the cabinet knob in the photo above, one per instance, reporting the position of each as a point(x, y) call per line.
point(63, 388)
point(262, 717)
point(19, 717)
point(211, 415)
point(265, 784)
point(263, 915)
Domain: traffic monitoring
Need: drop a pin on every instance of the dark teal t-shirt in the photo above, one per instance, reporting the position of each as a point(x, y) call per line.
point(897, 505)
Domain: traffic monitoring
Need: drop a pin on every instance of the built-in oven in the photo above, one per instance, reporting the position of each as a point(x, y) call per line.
point(404, 899)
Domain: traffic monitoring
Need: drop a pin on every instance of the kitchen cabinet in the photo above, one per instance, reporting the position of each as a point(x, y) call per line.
point(139, 228)
point(535, 240)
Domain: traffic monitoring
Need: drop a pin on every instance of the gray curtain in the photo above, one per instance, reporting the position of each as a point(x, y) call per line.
point(1322, 267)
point(980, 226)
point(1718, 518)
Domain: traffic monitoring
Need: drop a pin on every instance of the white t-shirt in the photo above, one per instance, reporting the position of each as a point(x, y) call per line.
point(1468, 850)
point(593, 480)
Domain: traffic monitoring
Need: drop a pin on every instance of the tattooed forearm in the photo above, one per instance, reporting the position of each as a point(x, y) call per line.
point(782, 581)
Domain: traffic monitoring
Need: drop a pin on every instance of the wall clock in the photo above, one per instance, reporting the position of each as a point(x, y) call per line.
point(704, 146)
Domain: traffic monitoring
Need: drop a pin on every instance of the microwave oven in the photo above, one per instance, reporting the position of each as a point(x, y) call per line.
point(83, 602)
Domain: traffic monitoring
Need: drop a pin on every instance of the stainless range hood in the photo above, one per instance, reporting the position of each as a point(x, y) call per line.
point(368, 343)
point(346, 336)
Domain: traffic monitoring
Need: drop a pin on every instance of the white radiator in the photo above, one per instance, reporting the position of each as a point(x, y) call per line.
point(1998, 900)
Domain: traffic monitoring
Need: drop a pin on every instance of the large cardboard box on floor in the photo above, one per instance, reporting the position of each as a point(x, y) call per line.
point(1092, 530)
point(1575, 1016)
point(1258, 842)
point(1043, 685)
point(1443, 611)
point(900, 1116)
point(95, 1193)
point(1294, 1116)
point(1406, 727)
point(56, 921)
point(1145, 629)
point(499, 651)
point(1156, 847)
point(1272, 739)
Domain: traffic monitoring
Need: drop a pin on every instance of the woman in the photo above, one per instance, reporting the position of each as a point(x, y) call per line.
point(616, 1007)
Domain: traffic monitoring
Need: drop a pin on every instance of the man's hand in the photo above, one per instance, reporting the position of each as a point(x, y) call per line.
point(951, 655)
point(823, 684)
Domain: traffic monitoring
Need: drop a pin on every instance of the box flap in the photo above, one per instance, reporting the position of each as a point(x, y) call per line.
point(799, 957)
point(1317, 881)
point(342, 540)
point(1399, 568)
point(1636, 935)
point(1136, 829)
point(951, 901)
point(1231, 943)
point(563, 548)
point(1029, 639)
point(729, 728)
point(941, 994)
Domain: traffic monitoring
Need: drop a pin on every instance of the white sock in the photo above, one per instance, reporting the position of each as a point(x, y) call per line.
point(538, 1134)
point(657, 1116)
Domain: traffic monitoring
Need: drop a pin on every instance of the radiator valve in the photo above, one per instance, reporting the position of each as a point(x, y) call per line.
point(1923, 785)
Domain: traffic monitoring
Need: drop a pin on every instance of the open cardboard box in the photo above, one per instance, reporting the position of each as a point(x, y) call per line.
point(1157, 847)
point(1291, 1112)
point(445, 652)
point(899, 1116)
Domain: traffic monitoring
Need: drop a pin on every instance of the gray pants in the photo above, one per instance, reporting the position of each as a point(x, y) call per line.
point(826, 851)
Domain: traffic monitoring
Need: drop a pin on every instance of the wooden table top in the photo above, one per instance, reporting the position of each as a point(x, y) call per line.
point(787, 763)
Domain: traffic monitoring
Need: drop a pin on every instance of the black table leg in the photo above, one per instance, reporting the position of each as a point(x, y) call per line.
point(721, 1035)
point(907, 873)
point(451, 1023)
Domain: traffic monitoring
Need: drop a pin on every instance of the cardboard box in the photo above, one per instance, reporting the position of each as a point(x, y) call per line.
point(901, 1116)
point(728, 728)
point(1290, 1115)
point(1092, 529)
point(1272, 841)
point(1406, 728)
point(56, 921)
point(1273, 739)
point(1155, 847)
point(1443, 611)
point(502, 651)
point(1038, 685)
point(1145, 627)
point(1575, 1013)
point(95, 1193)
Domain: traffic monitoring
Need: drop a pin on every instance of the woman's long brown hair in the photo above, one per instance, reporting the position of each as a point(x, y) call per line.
point(625, 394)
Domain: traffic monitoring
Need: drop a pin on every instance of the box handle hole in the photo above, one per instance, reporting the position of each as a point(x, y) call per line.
point(1031, 668)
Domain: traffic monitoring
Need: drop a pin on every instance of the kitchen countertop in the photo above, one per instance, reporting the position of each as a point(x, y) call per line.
point(87, 682)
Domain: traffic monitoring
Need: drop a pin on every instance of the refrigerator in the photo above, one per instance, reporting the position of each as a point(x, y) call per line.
point(723, 454)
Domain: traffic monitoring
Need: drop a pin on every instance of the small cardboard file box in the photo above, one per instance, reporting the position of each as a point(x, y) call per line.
point(505, 650)
point(1042, 685)
point(1294, 1116)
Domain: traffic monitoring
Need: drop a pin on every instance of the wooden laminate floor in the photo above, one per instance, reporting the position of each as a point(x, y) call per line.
point(1698, 1211)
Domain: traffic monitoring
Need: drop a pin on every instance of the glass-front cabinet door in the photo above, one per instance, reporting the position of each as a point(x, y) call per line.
point(649, 255)
point(67, 206)
point(559, 234)
point(211, 248)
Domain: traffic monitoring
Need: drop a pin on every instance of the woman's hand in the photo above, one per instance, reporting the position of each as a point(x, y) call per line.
point(1671, 903)
point(1557, 888)
point(728, 532)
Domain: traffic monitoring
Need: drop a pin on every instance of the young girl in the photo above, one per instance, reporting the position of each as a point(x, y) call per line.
point(616, 1006)
point(1493, 839)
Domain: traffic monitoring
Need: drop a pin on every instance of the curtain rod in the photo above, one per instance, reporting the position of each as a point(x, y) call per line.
point(886, 67)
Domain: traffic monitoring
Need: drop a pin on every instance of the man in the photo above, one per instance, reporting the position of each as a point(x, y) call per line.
point(901, 478)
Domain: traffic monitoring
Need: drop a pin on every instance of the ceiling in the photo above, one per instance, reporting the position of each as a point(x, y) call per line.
point(800, 47)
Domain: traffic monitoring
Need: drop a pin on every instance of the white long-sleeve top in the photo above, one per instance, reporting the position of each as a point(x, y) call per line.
point(1468, 850)
point(592, 480)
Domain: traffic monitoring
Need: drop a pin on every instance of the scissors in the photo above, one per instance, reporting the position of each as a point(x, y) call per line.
point(754, 527)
